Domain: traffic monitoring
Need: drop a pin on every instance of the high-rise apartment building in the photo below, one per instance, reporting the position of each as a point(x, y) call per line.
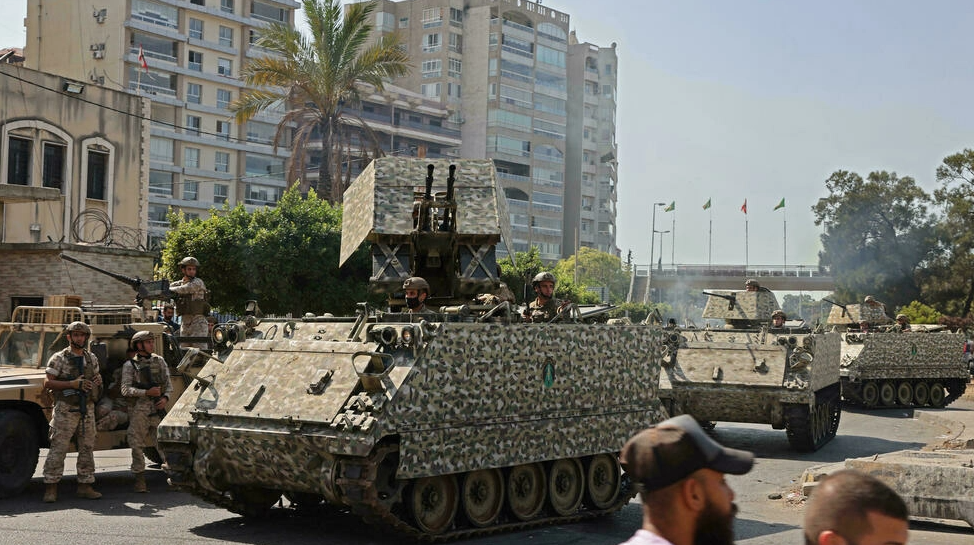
point(193, 51)
point(524, 93)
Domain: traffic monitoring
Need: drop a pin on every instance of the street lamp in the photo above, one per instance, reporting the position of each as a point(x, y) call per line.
point(661, 233)
point(652, 241)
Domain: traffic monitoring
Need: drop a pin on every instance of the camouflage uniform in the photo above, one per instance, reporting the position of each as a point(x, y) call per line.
point(112, 410)
point(543, 312)
point(192, 307)
point(138, 372)
point(65, 423)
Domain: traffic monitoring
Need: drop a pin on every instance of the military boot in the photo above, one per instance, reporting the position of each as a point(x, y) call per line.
point(50, 493)
point(86, 491)
point(140, 483)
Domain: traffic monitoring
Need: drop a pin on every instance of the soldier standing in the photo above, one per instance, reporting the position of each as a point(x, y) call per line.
point(192, 301)
point(146, 386)
point(417, 291)
point(545, 307)
point(72, 374)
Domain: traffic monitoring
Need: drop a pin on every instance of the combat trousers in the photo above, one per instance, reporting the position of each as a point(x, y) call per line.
point(64, 424)
point(142, 419)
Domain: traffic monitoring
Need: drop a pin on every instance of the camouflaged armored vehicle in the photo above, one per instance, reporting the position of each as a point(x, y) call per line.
point(886, 367)
point(26, 344)
point(459, 422)
point(748, 372)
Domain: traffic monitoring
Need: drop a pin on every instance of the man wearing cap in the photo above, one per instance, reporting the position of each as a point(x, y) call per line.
point(852, 507)
point(680, 471)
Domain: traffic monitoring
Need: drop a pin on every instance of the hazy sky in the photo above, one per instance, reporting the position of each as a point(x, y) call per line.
point(763, 100)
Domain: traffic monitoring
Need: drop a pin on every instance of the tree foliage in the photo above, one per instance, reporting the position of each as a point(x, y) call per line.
point(950, 278)
point(285, 257)
point(596, 269)
point(315, 76)
point(918, 313)
point(878, 235)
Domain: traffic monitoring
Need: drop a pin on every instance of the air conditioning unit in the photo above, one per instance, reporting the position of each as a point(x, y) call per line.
point(100, 15)
point(98, 54)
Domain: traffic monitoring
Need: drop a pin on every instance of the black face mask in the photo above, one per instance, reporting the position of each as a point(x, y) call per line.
point(413, 302)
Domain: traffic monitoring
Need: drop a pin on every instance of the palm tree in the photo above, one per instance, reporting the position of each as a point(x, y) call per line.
point(316, 77)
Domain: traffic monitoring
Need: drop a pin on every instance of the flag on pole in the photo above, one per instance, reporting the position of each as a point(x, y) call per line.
point(706, 205)
point(671, 207)
point(780, 204)
point(744, 206)
point(145, 66)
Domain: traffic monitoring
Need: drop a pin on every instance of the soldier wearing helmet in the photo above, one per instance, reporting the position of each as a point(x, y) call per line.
point(70, 373)
point(146, 387)
point(902, 322)
point(417, 290)
point(778, 318)
point(192, 301)
point(751, 285)
point(544, 308)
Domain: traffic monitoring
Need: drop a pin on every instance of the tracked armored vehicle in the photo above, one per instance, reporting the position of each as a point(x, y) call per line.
point(748, 372)
point(885, 367)
point(454, 423)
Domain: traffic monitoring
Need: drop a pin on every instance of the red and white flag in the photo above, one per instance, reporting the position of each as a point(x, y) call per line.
point(744, 206)
point(142, 60)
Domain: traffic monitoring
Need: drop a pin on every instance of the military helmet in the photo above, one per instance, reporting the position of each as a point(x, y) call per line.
point(142, 336)
point(78, 326)
point(543, 277)
point(868, 299)
point(902, 317)
point(416, 283)
point(189, 260)
point(751, 282)
point(779, 312)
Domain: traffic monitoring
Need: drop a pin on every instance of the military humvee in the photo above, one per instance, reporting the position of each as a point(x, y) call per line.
point(459, 422)
point(749, 372)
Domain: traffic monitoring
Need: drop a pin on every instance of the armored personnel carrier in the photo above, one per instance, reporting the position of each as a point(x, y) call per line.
point(749, 372)
point(26, 408)
point(883, 366)
point(457, 422)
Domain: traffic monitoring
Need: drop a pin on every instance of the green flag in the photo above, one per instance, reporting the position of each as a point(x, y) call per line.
point(671, 207)
point(706, 205)
point(780, 205)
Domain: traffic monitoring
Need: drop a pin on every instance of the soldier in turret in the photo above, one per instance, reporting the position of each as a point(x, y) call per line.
point(192, 301)
point(545, 307)
point(417, 291)
point(751, 285)
point(778, 319)
point(902, 322)
point(146, 386)
point(73, 373)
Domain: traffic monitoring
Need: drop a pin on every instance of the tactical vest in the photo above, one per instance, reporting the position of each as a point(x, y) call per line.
point(148, 372)
point(71, 395)
point(187, 306)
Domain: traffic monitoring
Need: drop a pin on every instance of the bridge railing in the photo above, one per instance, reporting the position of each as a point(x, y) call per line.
point(757, 271)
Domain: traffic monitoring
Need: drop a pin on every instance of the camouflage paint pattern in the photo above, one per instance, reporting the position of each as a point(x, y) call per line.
point(897, 355)
point(142, 411)
point(874, 313)
point(749, 306)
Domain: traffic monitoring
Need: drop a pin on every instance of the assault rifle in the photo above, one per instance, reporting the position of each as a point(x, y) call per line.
point(140, 373)
point(82, 396)
point(845, 311)
point(145, 289)
point(731, 299)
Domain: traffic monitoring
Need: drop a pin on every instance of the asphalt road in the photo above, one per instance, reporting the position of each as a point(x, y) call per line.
point(166, 517)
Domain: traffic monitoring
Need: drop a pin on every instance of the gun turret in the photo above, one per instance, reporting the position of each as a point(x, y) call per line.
point(845, 310)
point(731, 298)
point(145, 290)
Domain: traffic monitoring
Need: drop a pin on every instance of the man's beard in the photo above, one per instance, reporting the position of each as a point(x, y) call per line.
point(713, 527)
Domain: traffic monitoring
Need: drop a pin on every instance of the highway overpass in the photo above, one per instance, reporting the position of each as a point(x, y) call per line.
point(727, 277)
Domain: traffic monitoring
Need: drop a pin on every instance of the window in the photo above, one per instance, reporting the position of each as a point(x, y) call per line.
point(223, 129)
point(97, 174)
point(198, 2)
point(432, 68)
point(160, 149)
point(456, 42)
point(456, 16)
point(265, 166)
point(510, 120)
point(196, 61)
point(492, 40)
point(432, 17)
point(160, 183)
point(551, 56)
point(194, 93)
point(430, 90)
point(431, 43)
point(220, 193)
point(193, 124)
point(549, 129)
point(226, 5)
point(191, 191)
point(195, 28)
point(404, 22)
point(18, 162)
point(453, 91)
point(224, 67)
point(261, 133)
point(385, 21)
point(515, 96)
point(260, 10)
point(191, 157)
point(550, 105)
point(221, 162)
point(262, 194)
point(53, 174)
point(223, 98)
point(454, 68)
point(226, 36)
point(155, 13)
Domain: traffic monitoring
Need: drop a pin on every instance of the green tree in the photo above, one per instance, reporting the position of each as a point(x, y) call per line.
point(918, 313)
point(878, 235)
point(285, 257)
point(950, 280)
point(596, 269)
point(316, 76)
point(518, 276)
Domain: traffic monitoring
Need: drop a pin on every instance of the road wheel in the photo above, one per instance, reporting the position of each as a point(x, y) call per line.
point(921, 394)
point(887, 394)
point(433, 503)
point(18, 452)
point(904, 393)
point(526, 490)
point(937, 395)
point(565, 486)
point(870, 394)
point(602, 481)
point(483, 496)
